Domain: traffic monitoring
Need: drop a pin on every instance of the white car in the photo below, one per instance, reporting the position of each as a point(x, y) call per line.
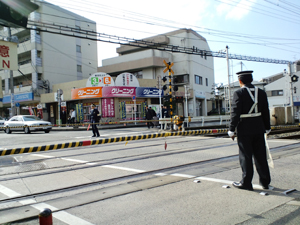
point(2, 123)
point(27, 124)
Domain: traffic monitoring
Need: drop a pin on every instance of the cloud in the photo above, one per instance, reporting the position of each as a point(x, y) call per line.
point(237, 11)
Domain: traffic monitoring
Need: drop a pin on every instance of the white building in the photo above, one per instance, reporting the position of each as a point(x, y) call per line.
point(46, 59)
point(193, 70)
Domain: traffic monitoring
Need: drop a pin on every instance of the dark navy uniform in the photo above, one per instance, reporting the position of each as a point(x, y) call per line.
point(95, 119)
point(250, 117)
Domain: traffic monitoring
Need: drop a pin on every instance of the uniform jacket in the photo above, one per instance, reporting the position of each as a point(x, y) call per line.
point(93, 115)
point(149, 114)
point(241, 104)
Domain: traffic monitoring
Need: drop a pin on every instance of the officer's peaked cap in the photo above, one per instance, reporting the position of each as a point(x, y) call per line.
point(244, 73)
point(245, 76)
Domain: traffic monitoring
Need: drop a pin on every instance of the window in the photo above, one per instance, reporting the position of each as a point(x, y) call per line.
point(277, 93)
point(78, 48)
point(138, 74)
point(198, 80)
point(206, 81)
point(79, 68)
point(182, 79)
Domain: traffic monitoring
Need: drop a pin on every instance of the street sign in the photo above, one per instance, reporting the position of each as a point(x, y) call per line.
point(133, 98)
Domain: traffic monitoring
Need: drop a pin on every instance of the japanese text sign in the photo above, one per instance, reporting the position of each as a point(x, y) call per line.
point(88, 92)
point(8, 55)
point(108, 107)
point(118, 91)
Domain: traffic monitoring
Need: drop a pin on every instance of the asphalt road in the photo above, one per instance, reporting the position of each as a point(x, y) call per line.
point(173, 180)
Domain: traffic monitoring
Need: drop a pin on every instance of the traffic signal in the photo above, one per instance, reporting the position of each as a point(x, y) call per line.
point(164, 79)
point(175, 81)
point(165, 87)
point(15, 13)
point(178, 98)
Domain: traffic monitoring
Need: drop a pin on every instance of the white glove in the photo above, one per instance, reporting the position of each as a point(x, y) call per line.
point(230, 133)
point(268, 131)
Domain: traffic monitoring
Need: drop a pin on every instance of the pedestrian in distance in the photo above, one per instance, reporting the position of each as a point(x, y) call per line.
point(63, 116)
point(149, 116)
point(73, 115)
point(250, 117)
point(95, 117)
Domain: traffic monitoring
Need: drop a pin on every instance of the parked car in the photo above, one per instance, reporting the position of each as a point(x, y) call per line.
point(2, 123)
point(27, 124)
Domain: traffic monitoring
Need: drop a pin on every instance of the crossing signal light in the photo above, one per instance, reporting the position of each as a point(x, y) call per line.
point(164, 79)
point(165, 87)
point(179, 98)
point(175, 81)
point(294, 78)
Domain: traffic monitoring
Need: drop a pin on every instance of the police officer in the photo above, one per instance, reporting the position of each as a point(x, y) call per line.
point(250, 117)
point(94, 119)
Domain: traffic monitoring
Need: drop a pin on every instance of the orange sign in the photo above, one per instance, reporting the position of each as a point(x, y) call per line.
point(87, 92)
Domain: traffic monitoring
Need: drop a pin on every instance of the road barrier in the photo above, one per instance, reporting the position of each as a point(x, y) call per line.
point(100, 141)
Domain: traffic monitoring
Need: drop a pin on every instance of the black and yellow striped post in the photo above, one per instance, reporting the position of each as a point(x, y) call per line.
point(168, 68)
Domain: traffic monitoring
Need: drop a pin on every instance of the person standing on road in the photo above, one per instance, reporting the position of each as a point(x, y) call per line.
point(149, 116)
point(73, 115)
point(250, 117)
point(63, 116)
point(95, 115)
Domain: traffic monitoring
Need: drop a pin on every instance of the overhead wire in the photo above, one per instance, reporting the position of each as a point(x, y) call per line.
point(243, 36)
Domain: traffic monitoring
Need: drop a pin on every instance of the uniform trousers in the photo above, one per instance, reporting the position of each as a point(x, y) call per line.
point(95, 129)
point(253, 146)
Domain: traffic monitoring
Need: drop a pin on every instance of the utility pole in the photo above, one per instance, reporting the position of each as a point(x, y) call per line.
point(229, 93)
point(11, 84)
point(186, 88)
point(292, 100)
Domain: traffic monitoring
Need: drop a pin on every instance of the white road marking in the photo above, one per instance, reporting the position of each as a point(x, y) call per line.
point(75, 160)
point(61, 215)
point(44, 156)
point(124, 168)
point(182, 175)
point(215, 180)
point(8, 192)
point(161, 174)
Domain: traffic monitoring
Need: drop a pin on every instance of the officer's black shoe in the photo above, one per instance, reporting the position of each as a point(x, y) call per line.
point(94, 136)
point(264, 186)
point(241, 186)
point(98, 135)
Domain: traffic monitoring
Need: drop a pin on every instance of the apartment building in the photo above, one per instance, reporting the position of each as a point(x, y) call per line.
point(47, 59)
point(194, 71)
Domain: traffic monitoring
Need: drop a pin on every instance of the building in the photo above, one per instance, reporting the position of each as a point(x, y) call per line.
point(194, 71)
point(47, 59)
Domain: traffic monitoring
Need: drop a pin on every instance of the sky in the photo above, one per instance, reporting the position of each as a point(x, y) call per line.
point(258, 28)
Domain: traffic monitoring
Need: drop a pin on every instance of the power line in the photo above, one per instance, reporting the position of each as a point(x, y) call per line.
point(218, 34)
point(92, 35)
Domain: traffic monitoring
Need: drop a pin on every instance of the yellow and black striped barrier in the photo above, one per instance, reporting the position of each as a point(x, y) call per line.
point(101, 141)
